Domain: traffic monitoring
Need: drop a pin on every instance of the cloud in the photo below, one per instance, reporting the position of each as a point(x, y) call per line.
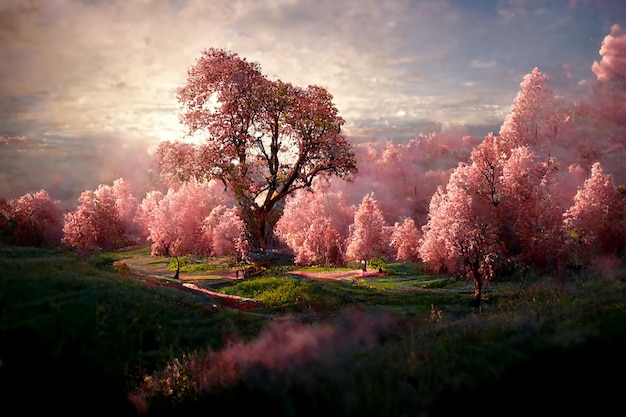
point(475, 63)
point(93, 68)
point(112, 67)
point(613, 52)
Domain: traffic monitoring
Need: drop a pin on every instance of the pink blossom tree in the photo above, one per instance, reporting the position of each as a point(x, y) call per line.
point(314, 225)
point(434, 242)
point(370, 237)
point(323, 244)
point(104, 219)
point(594, 224)
point(34, 219)
point(405, 239)
point(535, 118)
point(175, 221)
point(264, 139)
point(531, 212)
point(461, 235)
point(223, 233)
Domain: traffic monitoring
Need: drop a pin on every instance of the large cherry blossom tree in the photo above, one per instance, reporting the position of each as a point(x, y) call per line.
point(264, 139)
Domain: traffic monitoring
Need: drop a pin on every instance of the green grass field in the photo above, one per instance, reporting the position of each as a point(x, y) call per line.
point(93, 336)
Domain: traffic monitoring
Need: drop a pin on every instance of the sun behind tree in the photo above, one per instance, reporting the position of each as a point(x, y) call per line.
point(263, 139)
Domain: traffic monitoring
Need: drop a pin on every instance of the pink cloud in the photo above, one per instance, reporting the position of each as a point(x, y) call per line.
point(613, 51)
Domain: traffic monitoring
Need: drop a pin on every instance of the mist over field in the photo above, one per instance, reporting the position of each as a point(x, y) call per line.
point(65, 167)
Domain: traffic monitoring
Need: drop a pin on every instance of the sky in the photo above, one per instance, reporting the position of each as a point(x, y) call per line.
point(89, 83)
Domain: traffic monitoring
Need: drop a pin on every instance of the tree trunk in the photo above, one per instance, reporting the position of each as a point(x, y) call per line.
point(254, 221)
point(478, 286)
point(262, 239)
point(477, 290)
point(177, 275)
point(257, 238)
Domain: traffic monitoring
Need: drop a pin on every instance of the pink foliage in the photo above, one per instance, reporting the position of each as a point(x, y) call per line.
point(223, 232)
point(265, 139)
point(324, 244)
point(485, 173)
point(531, 209)
point(534, 118)
point(404, 176)
point(595, 222)
point(504, 203)
point(461, 230)
point(174, 221)
point(177, 161)
point(34, 219)
point(104, 219)
point(314, 225)
point(461, 235)
point(369, 237)
point(433, 245)
point(405, 239)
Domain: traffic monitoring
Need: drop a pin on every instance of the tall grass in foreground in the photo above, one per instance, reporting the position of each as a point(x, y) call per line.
point(376, 362)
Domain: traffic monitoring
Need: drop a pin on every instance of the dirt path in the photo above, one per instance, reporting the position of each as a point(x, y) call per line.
point(155, 273)
point(161, 276)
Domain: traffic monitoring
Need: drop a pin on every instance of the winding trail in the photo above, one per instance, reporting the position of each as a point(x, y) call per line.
point(160, 276)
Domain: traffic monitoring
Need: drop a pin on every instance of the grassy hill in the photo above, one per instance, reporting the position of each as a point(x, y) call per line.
point(114, 334)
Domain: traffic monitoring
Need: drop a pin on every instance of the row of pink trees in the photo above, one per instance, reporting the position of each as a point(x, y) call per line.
point(511, 203)
point(536, 194)
point(319, 227)
point(196, 218)
point(202, 218)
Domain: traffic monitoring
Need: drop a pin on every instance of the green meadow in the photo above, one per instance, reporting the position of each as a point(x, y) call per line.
point(114, 334)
